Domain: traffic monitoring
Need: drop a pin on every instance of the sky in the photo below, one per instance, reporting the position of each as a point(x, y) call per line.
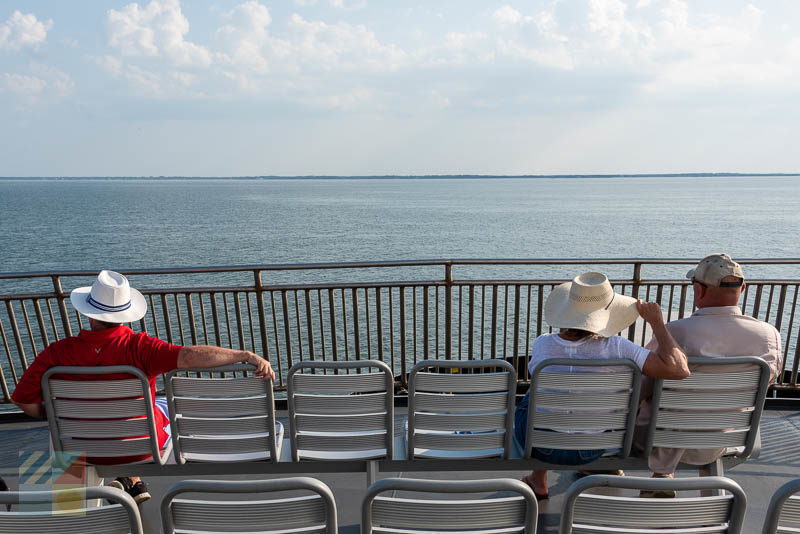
point(367, 87)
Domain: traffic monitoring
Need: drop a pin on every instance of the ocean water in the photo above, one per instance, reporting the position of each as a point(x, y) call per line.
point(143, 223)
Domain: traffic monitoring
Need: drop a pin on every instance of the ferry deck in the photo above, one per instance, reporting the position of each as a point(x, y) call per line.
point(305, 312)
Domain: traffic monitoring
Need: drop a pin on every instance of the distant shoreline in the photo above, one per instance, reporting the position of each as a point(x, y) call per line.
point(407, 177)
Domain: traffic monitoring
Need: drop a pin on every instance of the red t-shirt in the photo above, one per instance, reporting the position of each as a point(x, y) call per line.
point(112, 346)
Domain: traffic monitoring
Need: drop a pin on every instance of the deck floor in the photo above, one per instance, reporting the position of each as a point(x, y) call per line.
point(779, 462)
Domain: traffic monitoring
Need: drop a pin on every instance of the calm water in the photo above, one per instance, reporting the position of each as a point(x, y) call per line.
point(88, 224)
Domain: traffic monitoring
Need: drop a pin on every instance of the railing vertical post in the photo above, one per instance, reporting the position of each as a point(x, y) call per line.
point(471, 334)
point(516, 325)
point(637, 281)
point(287, 329)
point(62, 306)
point(262, 314)
point(448, 310)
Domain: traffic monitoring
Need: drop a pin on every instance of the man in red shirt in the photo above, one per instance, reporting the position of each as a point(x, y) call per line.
point(108, 303)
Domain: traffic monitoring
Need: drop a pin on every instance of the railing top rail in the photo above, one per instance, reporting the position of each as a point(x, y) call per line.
point(399, 263)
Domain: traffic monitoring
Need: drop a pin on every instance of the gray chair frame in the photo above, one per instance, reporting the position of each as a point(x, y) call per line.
point(585, 391)
point(752, 439)
point(339, 366)
point(249, 486)
point(462, 364)
point(665, 507)
point(269, 401)
point(92, 517)
point(450, 487)
point(778, 506)
point(159, 456)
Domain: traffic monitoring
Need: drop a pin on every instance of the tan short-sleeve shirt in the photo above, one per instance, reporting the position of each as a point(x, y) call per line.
point(715, 332)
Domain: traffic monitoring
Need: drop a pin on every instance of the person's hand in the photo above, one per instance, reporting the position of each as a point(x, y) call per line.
point(650, 312)
point(263, 369)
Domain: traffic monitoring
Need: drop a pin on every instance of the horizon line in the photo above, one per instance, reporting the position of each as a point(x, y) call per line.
point(402, 176)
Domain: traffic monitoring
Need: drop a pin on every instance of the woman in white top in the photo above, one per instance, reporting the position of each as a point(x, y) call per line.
point(589, 314)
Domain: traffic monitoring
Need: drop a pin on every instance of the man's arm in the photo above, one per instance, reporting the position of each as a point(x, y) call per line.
point(668, 360)
point(204, 356)
point(34, 410)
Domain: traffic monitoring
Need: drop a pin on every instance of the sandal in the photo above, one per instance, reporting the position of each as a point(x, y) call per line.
point(539, 496)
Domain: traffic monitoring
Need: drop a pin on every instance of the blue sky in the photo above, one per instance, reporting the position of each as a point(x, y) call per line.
point(354, 87)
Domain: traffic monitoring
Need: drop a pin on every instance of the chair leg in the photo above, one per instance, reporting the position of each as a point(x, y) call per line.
point(714, 469)
point(372, 472)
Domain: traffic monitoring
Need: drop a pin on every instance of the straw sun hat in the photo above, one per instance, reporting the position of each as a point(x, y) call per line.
point(110, 298)
point(590, 303)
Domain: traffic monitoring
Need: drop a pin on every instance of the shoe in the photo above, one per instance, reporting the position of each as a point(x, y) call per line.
point(662, 493)
point(121, 483)
point(615, 472)
point(139, 492)
point(539, 496)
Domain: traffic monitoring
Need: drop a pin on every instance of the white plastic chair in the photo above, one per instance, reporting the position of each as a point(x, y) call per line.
point(783, 513)
point(307, 514)
point(585, 512)
point(229, 419)
point(68, 513)
point(577, 409)
point(341, 416)
point(439, 512)
point(460, 413)
point(102, 418)
point(711, 410)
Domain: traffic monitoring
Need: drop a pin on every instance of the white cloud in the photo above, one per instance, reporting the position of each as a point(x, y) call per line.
point(23, 30)
point(603, 50)
point(23, 84)
point(340, 47)
point(350, 6)
point(154, 30)
point(42, 84)
point(245, 41)
point(58, 82)
point(508, 15)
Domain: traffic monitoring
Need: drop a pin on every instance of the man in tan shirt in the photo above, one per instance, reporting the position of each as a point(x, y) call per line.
point(719, 329)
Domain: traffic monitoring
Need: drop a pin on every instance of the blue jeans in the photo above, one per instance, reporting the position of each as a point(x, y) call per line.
point(553, 456)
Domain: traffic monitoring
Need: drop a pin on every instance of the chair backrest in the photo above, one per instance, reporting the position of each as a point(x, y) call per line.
point(221, 419)
point(578, 409)
point(67, 513)
point(341, 416)
point(306, 514)
point(713, 408)
point(593, 512)
point(439, 512)
point(461, 409)
point(101, 418)
point(783, 513)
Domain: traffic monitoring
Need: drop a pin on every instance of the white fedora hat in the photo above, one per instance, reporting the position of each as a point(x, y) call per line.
point(110, 298)
point(590, 303)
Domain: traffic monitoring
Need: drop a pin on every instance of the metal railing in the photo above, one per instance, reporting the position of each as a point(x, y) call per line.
point(348, 311)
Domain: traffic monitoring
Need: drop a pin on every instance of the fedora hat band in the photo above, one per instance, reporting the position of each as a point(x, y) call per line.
point(591, 298)
point(106, 307)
